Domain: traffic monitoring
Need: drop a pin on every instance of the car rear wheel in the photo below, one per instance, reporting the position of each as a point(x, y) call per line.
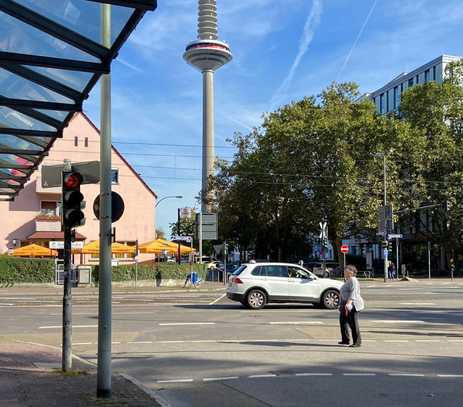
point(330, 299)
point(256, 299)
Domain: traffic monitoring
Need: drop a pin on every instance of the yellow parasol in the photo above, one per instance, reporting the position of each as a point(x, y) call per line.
point(155, 247)
point(118, 248)
point(34, 250)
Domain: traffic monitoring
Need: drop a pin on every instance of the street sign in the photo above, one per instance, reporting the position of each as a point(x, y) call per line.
point(210, 229)
point(385, 223)
point(395, 236)
point(59, 245)
point(52, 174)
point(117, 207)
point(187, 239)
point(185, 213)
point(344, 249)
point(386, 253)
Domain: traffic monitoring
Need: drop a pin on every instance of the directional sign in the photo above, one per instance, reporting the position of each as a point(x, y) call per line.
point(344, 249)
point(395, 236)
point(52, 175)
point(187, 239)
point(209, 226)
point(57, 245)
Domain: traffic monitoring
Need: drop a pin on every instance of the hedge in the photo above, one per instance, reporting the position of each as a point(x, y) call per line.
point(150, 271)
point(22, 270)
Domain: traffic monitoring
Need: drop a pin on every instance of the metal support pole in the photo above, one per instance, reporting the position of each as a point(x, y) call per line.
point(429, 259)
point(397, 257)
point(385, 205)
point(200, 237)
point(225, 255)
point(67, 303)
point(136, 262)
point(105, 289)
point(178, 234)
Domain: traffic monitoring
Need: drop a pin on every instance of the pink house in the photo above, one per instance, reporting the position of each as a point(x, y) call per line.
point(33, 217)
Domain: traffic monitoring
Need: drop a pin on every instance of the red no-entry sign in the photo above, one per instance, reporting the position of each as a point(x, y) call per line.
point(344, 249)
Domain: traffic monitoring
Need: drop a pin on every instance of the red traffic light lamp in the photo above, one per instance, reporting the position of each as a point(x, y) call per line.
point(73, 200)
point(72, 180)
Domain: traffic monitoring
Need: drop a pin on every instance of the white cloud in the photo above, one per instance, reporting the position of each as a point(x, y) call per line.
point(311, 24)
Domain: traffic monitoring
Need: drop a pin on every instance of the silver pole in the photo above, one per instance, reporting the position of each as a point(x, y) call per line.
point(385, 204)
point(201, 237)
point(397, 258)
point(429, 259)
point(208, 136)
point(105, 289)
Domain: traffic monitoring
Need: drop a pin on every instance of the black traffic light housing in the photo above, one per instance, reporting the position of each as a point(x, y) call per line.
point(73, 200)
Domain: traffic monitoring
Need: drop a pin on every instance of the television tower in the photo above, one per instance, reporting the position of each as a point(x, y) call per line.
point(207, 54)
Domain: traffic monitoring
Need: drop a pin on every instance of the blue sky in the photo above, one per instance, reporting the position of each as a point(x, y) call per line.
point(283, 50)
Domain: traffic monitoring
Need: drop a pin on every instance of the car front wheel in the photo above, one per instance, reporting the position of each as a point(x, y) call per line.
point(330, 299)
point(256, 299)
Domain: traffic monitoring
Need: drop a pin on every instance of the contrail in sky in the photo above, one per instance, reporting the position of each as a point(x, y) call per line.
point(354, 45)
point(311, 24)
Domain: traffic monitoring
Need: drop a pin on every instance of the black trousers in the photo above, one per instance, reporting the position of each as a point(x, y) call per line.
point(351, 320)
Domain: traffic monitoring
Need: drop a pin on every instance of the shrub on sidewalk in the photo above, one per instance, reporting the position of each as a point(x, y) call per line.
point(152, 271)
point(14, 270)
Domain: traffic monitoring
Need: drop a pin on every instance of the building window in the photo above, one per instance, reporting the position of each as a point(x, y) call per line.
point(434, 73)
point(48, 208)
point(417, 79)
point(401, 88)
point(115, 177)
point(395, 97)
point(76, 141)
point(387, 102)
point(86, 142)
point(426, 76)
point(410, 82)
point(381, 103)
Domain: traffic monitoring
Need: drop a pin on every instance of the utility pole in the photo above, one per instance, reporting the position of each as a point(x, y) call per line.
point(104, 387)
point(178, 234)
point(225, 255)
point(385, 243)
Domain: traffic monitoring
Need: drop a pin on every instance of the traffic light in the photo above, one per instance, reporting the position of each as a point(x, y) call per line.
point(73, 200)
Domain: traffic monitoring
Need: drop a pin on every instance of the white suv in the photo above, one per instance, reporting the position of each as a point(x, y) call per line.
point(257, 284)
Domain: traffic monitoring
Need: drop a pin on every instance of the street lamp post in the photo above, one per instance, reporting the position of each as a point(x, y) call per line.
point(168, 197)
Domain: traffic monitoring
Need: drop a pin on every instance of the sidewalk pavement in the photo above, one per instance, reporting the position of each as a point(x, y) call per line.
point(29, 378)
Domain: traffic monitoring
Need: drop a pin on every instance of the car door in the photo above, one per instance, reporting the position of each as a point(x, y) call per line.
point(302, 285)
point(276, 278)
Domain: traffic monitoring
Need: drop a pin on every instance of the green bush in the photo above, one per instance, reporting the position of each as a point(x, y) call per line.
point(151, 271)
point(15, 270)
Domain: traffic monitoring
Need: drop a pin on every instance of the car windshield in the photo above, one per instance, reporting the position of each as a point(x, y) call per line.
point(239, 270)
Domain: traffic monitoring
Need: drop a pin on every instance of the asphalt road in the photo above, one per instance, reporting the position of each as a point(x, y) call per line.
point(196, 348)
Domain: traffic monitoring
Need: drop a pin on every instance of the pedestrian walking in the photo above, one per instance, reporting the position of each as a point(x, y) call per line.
point(391, 270)
point(350, 304)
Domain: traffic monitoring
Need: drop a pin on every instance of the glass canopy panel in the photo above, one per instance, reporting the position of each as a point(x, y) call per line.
point(7, 190)
point(12, 142)
point(16, 87)
point(11, 159)
point(56, 114)
point(37, 142)
point(8, 172)
point(17, 36)
point(13, 119)
point(81, 16)
point(74, 79)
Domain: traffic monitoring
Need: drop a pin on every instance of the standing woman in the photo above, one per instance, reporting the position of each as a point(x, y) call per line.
point(349, 306)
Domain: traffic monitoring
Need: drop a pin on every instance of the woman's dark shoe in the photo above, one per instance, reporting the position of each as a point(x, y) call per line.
point(343, 343)
point(355, 345)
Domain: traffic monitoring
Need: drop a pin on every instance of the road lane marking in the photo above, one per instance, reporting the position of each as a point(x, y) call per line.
point(216, 379)
point(397, 321)
point(296, 323)
point(417, 303)
point(185, 323)
point(218, 299)
point(313, 374)
point(140, 342)
point(396, 340)
point(176, 381)
point(81, 343)
point(406, 374)
point(359, 374)
point(60, 326)
point(428, 340)
point(261, 376)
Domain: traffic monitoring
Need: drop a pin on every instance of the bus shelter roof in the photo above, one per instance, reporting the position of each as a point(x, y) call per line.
point(50, 59)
